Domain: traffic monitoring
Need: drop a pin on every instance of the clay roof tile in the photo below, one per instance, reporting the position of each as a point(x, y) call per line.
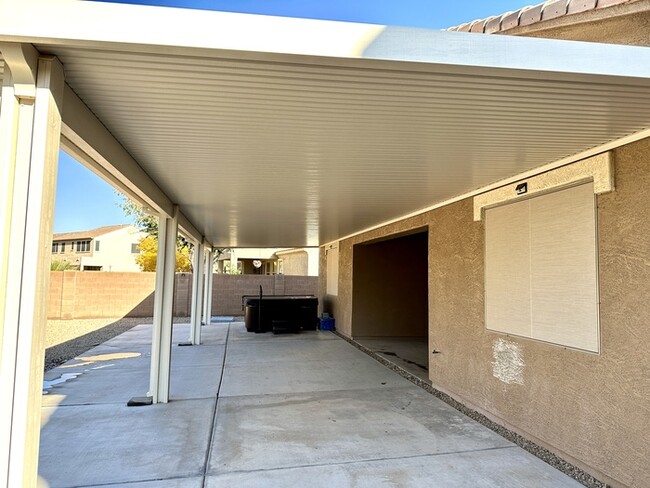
point(554, 9)
point(577, 6)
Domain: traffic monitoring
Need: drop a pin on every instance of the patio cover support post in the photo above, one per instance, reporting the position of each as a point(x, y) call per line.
point(30, 130)
point(161, 342)
point(207, 309)
point(197, 294)
point(205, 289)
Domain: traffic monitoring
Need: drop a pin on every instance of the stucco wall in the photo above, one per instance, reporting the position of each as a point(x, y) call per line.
point(295, 263)
point(592, 409)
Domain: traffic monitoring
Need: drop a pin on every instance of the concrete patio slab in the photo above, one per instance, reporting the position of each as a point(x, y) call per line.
point(409, 353)
point(117, 370)
point(104, 356)
point(119, 385)
point(241, 334)
point(494, 468)
point(307, 376)
point(214, 333)
point(286, 351)
point(176, 483)
point(139, 356)
point(101, 444)
point(280, 431)
point(291, 410)
point(99, 386)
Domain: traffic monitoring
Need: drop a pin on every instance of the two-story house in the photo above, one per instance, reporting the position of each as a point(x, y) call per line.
point(110, 248)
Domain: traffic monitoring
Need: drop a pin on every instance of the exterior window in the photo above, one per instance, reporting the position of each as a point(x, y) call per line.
point(83, 246)
point(63, 247)
point(134, 248)
point(541, 274)
point(332, 271)
point(55, 247)
point(96, 245)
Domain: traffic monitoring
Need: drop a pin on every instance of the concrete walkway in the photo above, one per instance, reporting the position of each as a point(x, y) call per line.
point(263, 411)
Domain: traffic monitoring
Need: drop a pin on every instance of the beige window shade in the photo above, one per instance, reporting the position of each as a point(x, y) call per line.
point(332, 271)
point(507, 269)
point(541, 268)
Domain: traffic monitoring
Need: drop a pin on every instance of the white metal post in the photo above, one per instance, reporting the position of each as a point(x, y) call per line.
point(205, 290)
point(30, 128)
point(161, 342)
point(197, 294)
point(207, 310)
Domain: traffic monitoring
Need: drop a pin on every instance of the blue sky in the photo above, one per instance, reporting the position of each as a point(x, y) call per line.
point(84, 201)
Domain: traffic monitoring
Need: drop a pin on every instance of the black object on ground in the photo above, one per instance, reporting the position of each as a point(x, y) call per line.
point(140, 401)
point(282, 313)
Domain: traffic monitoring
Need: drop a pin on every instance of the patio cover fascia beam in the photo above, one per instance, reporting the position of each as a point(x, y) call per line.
point(256, 37)
point(84, 137)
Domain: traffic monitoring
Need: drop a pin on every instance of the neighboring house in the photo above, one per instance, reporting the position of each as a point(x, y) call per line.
point(298, 262)
point(110, 248)
point(269, 261)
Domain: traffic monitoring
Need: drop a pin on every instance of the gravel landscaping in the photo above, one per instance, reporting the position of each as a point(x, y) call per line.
point(67, 339)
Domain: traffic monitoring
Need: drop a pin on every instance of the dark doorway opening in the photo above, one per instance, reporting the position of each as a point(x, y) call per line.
point(390, 312)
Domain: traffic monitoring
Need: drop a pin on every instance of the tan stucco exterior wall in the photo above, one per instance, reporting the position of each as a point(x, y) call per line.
point(295, 263)
point(591, 409)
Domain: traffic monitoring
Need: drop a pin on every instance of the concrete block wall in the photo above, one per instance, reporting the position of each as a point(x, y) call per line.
point(300, 285)
point(229, 289)
point(77, 294)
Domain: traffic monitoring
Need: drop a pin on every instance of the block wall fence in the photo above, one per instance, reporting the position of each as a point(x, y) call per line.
point(77, 294)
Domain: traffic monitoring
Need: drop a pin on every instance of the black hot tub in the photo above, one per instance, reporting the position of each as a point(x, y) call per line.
point(280, 313)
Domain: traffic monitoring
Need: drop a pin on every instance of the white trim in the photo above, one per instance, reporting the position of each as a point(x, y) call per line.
point(521, 176)
point(225, 34)
point(598, 169)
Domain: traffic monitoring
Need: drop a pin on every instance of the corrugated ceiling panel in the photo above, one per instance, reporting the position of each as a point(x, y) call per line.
point(287, 154)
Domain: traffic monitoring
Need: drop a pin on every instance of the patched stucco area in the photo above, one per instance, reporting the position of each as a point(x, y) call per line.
point(507, 362)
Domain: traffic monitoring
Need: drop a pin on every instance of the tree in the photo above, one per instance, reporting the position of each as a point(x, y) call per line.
point(148, 247)
point(62, 266)
point(145, 222)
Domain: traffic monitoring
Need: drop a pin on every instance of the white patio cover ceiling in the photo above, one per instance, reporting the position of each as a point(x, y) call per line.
point(272, 132)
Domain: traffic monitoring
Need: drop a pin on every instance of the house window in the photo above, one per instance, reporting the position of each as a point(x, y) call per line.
point(55, 247)
point(332, 256)
point(96, 245)
point(83, 246)
point(541, 274)
point(134, 248)
point(63, 247)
